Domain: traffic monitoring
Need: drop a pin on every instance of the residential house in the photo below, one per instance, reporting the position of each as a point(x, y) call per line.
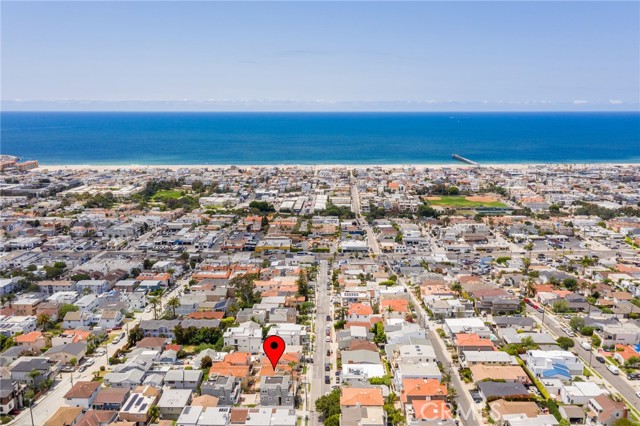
point(580, 392)
point(487, 358)
point(25, 306)
point(246, 337)
point(22, 367)
point(226, 388)
point(414, 353)
point(359, 312)
point(490, 390)
point(430, 412)
point(66, 353)
point(554, 364)
point(627, 333)
point(110, 398)
point(363, 416)
point(472, 342)
point(421, 389)
point(49, 287)
point(77, 319)
point(506, 373)
point(603, 411)
point(277, 391)
point(82, 394)
point(453, 326)
point(181, 378)
point(206, 416)
point(362, 397)
point(10, 396)
point(136, 408)
point(110, 319)
point(173, 401)
point(292, 334)
point(159, 328)
point(92, 286)
point(65, 416)
point(34, 341)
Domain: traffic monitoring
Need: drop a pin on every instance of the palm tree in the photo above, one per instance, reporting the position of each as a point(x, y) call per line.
point(174, 303)
point(154, 413)
point(43, 321)
point(155, 302)
point(10, 297)
point(531, 287)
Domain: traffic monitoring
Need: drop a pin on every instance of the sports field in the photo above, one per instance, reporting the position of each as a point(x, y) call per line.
point(171, 193)
point(463, 201)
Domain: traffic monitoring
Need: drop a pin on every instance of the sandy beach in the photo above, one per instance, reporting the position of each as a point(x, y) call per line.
point(513, 166)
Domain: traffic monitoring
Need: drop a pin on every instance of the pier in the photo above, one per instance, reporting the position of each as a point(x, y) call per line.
point(464, 160)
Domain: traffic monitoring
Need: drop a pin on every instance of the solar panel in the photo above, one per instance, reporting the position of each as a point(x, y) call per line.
point(131, 402)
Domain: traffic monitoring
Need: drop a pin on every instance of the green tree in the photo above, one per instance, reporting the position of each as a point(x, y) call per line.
point(380, 336)
point(570, 283)
point(174, 303)
point(64, 308)
point(246, 290)
point(135, 335)
point(303, 285)
point(154, 413)
point(624, 422)
point(43, 321)
point(560, 306)
point(565, 342)
point(528, 343)
point(457, 287)
point(155, 302)
point(632, 361)
point(586, 331)
point(73, 362)
point(205, 363)
point(576, 323)
point(33, 375)
point(333, 420)
point(329, 404)
point(261, 206)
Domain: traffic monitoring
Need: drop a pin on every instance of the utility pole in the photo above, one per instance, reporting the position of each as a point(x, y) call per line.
point(31, 412)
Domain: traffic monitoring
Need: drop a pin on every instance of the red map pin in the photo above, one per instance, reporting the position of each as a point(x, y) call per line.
point(274, 348)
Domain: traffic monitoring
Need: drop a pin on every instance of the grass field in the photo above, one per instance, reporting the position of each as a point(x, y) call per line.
point(461, 201)
point(170, 193)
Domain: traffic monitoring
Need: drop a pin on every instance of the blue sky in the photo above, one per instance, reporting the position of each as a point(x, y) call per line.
point(321, 55)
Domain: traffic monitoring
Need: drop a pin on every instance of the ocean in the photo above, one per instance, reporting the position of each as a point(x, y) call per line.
point(319, 138)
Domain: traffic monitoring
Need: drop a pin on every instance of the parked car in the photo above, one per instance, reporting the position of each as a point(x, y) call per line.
point(327, 366)
point(613, 369)
point(327, 379)
point(600, 359)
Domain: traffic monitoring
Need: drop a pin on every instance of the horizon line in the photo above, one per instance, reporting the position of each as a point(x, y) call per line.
point(325, 111)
